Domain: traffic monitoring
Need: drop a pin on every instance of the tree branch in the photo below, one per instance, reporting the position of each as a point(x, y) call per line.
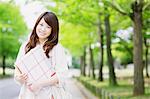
point(118, 10)
point(146, 6)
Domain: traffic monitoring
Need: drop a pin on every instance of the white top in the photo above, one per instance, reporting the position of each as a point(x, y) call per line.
point(58, 61)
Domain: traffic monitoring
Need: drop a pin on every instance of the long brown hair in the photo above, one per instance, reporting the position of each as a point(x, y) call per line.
point(52, 20)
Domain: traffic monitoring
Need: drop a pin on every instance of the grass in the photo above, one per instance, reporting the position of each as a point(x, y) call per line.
point(9, 73)
point(123, 89)
point(5, 76)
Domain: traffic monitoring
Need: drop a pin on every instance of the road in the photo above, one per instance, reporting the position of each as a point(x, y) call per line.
point(10, 90)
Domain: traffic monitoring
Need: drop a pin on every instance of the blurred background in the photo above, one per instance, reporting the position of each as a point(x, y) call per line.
point(106, 42)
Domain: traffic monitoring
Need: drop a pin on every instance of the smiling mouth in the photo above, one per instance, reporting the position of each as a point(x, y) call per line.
point(41, 33)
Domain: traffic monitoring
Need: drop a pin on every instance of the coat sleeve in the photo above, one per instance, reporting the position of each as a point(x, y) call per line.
point(20, 54)
point(61, 66)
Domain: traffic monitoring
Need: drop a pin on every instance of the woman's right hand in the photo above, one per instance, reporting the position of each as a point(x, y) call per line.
point(22, 78)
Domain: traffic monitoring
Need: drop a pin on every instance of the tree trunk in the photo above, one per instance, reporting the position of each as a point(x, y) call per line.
point(100, 34)
point(136, 17)
point(146, 57)
point(81, 65)
point(3, 65)
point(84, 62)
point(92, 61)
point(112, 77)
point(137, 50)
point(89, 70)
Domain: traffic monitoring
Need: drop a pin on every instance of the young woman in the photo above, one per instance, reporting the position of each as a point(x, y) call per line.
point(44, 34)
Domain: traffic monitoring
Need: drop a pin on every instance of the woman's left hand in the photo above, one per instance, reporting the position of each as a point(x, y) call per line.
point(34, 87)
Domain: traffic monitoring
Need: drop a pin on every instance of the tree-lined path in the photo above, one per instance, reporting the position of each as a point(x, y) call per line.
point(108, 40)
point(10, 90)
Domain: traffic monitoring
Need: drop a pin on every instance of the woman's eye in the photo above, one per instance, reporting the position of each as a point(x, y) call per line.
point(48, 27)
point(41, 24)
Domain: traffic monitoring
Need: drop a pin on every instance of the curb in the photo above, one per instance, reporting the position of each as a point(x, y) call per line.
point(85, 91)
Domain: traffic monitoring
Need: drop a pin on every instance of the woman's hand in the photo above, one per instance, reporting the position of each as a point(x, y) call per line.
point(22, 78)
point(34, 87)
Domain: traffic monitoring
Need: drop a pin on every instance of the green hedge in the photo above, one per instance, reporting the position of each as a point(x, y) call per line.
point(124, 90)
point(93, 87)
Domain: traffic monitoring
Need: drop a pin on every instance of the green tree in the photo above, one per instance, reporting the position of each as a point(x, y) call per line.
point(81, 25)
point(83, 13)
point(134, 10)
point(112, 77)
point(12, 27)
point(146, 33)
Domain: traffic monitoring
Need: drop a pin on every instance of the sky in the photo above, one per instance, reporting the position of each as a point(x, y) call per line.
point(30, 11)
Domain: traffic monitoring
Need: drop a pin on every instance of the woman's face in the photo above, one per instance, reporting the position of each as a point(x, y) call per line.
point(43, 30)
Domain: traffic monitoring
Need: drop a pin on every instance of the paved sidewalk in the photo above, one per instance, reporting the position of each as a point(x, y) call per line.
point(87, 94)
point(10, 90)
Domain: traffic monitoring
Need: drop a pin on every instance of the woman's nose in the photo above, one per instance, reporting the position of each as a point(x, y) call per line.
point(43, 28)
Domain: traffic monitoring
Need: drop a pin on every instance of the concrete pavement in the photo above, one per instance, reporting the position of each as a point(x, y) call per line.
point(10, 90)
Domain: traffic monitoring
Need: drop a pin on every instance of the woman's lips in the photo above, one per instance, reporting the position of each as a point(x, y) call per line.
point(41, 33)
